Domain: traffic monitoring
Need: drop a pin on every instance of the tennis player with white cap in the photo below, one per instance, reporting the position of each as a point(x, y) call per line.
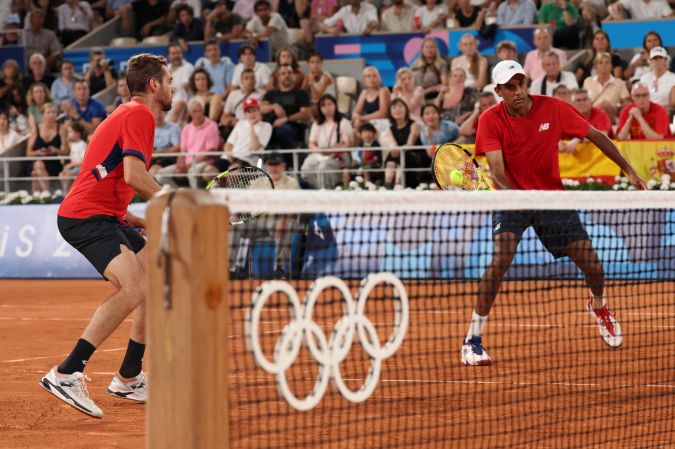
point(519, 136)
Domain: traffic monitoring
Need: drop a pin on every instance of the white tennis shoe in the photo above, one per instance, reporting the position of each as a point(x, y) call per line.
point(71, 389)
point(473, 352)
point(609, 327)
point(135, 389)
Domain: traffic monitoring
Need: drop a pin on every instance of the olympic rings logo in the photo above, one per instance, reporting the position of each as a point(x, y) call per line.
point(329, 353)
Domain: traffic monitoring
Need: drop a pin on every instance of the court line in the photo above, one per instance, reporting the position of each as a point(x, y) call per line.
point(19, 318)
point(28, 359)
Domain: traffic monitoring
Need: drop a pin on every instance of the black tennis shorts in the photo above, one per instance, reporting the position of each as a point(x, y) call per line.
point(99, 237)
point(555, 228)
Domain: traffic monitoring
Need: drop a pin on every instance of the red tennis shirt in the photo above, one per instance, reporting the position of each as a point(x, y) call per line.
point(99, 188)
point(529, 144)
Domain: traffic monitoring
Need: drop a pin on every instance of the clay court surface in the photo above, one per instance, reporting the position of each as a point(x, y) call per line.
point(553, 384)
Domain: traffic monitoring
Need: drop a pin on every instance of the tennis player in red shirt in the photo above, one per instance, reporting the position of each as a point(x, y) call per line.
point(94, 219)
point(519, 137)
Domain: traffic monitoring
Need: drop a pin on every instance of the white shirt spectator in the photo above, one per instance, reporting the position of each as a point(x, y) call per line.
point(565, 78)
point(326, 136)
point(77, 150)
point(240, 139)
point(522, 13)
point(534, 58)
point(402, 23)
point(181, 77)
point(9, 140)
point(651, 9)
point(280, 38)
point(428, 17)
point(659, 88)
point(354, 23)
point(75, 19)
point(234, 105)
point(262, 75)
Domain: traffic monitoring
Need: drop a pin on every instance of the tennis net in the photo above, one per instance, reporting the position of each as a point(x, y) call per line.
point(348, 311)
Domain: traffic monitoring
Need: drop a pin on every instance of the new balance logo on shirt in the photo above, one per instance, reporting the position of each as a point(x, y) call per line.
point(543, 127)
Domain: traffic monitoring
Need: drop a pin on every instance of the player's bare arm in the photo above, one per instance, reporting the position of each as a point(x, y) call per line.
point(138, 178)
point(611, 151)
point(499, 178)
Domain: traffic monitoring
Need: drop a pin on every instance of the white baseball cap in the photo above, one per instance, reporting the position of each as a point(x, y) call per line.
point(505, 70)
point(658, 51)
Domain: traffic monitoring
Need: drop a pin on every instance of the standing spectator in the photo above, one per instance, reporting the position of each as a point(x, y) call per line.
point(84, 109)
point(219, 67)
point(223, 24)
point(75, 18)
point(639, 65)
point(37, 39)
point(187, 28)
point(430, 69)
point(468, 15)
point(62, 87)
point(38, 72)
point(37, 97)
point(431, 15)
point(167, 140)
point(373, 101)
point(247, 140)
point(516, 12)
point(595, 116)
point(435, 131)
point(406, 90)
point(77, 146)
point(151, 17)
point(286, 56)
point(8, 137)
point(642, 119)
point(46, 139)
point(100, 75)
point(600, 44)
point(317, 82)
point(10, 75)
point(553, 77)
point(181, 71)
point(472, 62)
point(234, 105)
point(247, 61)
point(640, 9)
point(288, 109)
point(456, 101)
point(468, 129)
point(564, 17)
point(542, 40)
point(403, 132)
point(607, 92)
point(660, 80)
point(398, 18)
point(268, 25)
point(200, 87)
point(355, 18)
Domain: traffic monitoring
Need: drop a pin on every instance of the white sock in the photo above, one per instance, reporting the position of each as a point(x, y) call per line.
point(477, 323)
point(598, 301)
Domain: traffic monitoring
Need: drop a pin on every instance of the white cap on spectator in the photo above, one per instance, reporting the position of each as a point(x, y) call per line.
point(658, 51)
point(505, 70)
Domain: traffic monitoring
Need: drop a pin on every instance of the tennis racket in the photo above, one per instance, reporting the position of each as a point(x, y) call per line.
point(453, 168)
point(243, 177)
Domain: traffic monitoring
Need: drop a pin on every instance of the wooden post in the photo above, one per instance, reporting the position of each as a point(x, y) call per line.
point(188, 336)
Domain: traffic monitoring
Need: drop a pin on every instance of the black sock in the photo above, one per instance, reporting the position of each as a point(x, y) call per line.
point(133, 360)
point(79, 357)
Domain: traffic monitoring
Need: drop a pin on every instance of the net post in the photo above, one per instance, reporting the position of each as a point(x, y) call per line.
point(187, 323)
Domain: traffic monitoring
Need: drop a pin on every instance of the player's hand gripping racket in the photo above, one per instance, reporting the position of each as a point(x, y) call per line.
point(454, 168)
point(243, 177)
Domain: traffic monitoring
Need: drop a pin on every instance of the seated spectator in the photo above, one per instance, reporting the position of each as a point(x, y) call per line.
point(234, 105)
point(196, 6)
point(542, 40)
point(37, 96)
point(639, 65)
point(247, 60)
point(456, 101)
point(472, 62)
point(84, 109)
point(660, 80)
point(199, 136)
point(593, 12)
point(595, 116)
point(435, 131)
point(607, 92)
point(244, 8)
point(220, 68)
point(430, 16)
point(406, 90)
point(62, 87)
point(100, 9)
point(288, 109)
point(320, 10)
point(266, 24)
point(564, 16)
point(506, 50)
point(8, 137)
point(600, 44)
point(317, 82)
point(403, 132)
point(181, 71)
point(113, 6)
point(187, 28)
point(468, 129)
point(563, 93)
point(373, 101)
point(200, 87)
point(322, 166)
point(46, 139)
point(77, 146)
point(291, 11)
point(17, 106)
point(639, 9)
point(368, 156)
point(223, 24)
point(468, 15)
point(123, 95)
point(75, 18)
point(357, 17)
point(430, 69)
point(276, 166)
point(398, 18)
point(553, 77)
point(11, 22)
point(11, 73)
point(286, 56)
point(642, 119)
point(167, 140)
point(516, 12)
point(100, 74)
point(151, 18)
point(38, 39)
point(38, 72)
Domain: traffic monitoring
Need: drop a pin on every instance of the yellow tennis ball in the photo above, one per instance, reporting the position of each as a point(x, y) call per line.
point(456, 178)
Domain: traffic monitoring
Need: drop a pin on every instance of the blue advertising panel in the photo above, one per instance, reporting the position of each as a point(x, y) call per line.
point(13, 52)
point(629, 34)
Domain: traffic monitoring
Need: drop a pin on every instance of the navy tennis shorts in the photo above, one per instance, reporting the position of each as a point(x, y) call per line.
point(555, 228)
point(98, 238)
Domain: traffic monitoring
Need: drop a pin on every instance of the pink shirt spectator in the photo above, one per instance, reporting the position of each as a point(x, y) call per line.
point(199, 139)
point(323, 7)
point(533, 62)
point(244, 8)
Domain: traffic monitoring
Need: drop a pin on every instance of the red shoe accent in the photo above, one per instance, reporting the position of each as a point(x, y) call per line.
point(604, 314)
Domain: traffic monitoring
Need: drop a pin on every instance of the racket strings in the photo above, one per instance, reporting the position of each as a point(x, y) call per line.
point(248, 178)
point(451, 158)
